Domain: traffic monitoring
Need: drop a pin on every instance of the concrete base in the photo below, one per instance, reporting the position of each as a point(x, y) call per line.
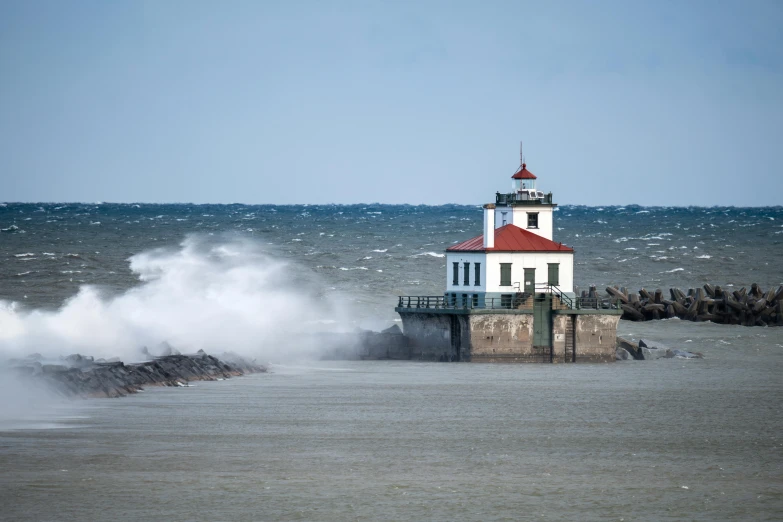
point(507, 335)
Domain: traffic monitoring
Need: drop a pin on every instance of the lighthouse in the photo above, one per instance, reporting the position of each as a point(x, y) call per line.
point(516, 256)
point(509, 292)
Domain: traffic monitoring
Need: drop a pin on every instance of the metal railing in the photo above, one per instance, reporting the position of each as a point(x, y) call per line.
point(514, 198)
point(439, 302)
point(510, 302)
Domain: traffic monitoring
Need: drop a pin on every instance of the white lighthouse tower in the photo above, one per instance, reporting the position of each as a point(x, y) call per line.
point(515, 255)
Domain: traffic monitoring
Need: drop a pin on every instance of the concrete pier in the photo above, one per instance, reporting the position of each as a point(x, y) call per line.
point(494, 335)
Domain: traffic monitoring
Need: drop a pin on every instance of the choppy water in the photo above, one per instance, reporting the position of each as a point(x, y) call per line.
point(659, 440)
point(372, 253)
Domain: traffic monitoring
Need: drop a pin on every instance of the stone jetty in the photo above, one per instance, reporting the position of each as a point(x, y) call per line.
point(746, 307)
point(82, 376)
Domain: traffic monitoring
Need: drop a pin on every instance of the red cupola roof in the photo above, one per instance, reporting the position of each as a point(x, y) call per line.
point(523, 173)
point(511, 238)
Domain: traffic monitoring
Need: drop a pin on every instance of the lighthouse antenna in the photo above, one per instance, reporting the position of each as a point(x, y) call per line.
point(521, 157)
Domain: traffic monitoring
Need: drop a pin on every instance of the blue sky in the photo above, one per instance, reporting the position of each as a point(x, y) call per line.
point(653, 103)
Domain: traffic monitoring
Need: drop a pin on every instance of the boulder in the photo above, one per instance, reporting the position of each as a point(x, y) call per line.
point(631, 347)
point(650, 354)
point(621, 354)
point(393, 329)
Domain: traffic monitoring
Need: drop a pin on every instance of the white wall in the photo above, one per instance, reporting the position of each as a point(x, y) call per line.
point(517, 215)
point(462, 258)
point(544, 219)
point(520, 261)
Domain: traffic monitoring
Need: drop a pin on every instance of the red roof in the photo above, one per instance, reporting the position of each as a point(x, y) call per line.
point(523, 173)
point(511, 238)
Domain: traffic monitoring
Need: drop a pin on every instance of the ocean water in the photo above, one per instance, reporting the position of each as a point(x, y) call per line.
point(371, 253)
point(377, 440)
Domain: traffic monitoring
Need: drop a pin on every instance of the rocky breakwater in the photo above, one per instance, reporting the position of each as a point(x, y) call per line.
point(754, 307)
point(82, 376)
point(648, 350)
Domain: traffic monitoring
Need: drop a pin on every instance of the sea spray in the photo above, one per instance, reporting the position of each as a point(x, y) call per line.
point(211, 293)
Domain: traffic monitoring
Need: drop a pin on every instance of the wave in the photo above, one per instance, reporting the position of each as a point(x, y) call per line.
point(211, 293)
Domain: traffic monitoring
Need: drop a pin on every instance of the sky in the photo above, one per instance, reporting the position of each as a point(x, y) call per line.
point(626, 102)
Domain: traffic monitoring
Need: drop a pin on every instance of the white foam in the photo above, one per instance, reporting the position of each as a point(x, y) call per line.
point(183, 294)
point(705, 256)
point(432, 254)
point(673, 270)
point(381, 250)
point(354, 268)
point(48, 254)
point(27, 254)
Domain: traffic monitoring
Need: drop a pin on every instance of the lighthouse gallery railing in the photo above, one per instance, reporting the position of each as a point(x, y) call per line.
point(440, 302)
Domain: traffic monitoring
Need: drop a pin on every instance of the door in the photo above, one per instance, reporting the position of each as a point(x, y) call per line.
point(456, 339)
point(542, 326)
point(530, 280)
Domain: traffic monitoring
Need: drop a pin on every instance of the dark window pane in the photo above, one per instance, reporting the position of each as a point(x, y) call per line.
point(466, 282)
point(554, 274)
point(505, 274)
point(455, 281)
point(532, 220)
point(477, 279)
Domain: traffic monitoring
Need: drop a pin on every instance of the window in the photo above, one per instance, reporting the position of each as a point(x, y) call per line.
point(505, 300)
point(554, 274)
point(455, 280)
point(475, 300)
point(503, 217)
point(477, 278)
point(453, 299)
point(505, 274)
point(464, 300)
point(466, 282)
point(532, 220)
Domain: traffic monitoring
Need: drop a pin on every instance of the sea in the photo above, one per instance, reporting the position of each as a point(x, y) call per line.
point(671, 439)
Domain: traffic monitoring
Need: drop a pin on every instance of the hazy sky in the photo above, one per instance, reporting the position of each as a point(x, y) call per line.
point(655, 103)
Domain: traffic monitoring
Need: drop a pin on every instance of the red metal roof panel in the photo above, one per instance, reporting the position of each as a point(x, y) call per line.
point(511, 238)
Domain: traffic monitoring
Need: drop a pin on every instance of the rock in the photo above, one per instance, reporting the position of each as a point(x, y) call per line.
point(631, 347)
point(621, 354)
point(650, 354)
point(76, 360)
point(393, 329)
point(116, 379)
point(54, 368)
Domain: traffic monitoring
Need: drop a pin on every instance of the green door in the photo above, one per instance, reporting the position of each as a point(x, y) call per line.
point(542, 323)
point(530, 280)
